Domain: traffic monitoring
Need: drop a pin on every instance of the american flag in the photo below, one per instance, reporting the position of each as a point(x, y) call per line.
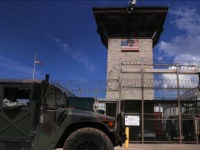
point(130, 45)
point(38, 62)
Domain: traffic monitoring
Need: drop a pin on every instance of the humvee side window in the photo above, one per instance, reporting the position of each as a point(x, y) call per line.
point(16, 97)
point(61, 99)
point(55, 97)
point(50, 97)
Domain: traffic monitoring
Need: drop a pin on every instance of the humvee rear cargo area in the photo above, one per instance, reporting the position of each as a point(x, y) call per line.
point(35, 115)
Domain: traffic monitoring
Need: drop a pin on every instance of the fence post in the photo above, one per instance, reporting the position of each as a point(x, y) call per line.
point(142, 97)
point(179, 105)
point(197, 128)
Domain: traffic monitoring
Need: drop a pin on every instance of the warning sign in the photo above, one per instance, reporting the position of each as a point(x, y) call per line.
point(132, 120)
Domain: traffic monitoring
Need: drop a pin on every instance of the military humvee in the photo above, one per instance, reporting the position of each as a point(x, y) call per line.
point(34, 115)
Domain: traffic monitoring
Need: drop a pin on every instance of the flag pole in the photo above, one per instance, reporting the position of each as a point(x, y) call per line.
point(34, 65)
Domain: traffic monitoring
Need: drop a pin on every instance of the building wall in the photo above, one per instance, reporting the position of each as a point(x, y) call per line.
point(123, 85)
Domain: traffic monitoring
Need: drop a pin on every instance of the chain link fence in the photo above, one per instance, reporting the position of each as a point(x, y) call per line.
point(165, 99)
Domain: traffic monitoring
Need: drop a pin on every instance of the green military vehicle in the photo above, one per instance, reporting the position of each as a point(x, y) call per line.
point(34, 115)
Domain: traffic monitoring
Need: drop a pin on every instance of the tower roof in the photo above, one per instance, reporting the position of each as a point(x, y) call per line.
point(120, 22)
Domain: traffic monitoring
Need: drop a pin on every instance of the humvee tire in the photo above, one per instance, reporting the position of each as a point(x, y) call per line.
point(88, 139)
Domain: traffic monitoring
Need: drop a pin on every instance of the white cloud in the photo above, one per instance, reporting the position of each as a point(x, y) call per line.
point(188, 43)
point(79, 56)
point(181, 45)
point(187, 19)
point(185, 47)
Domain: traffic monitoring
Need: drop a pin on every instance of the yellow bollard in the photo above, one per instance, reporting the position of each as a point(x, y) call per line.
point(127, 137)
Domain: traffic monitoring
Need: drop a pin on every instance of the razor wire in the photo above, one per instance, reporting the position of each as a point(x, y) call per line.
point(162, 85)
point(94, 87)
point(103, 85)
point(164, 63)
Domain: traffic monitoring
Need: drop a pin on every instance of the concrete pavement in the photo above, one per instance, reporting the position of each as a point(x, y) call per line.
point(161, 147)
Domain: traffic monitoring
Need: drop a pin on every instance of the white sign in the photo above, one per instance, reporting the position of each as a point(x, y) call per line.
point(132, 120)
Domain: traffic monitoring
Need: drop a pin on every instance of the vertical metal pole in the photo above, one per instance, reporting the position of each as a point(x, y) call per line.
point(142, 96)
point(34, 65)
point(179, 105)
point(120, 90)
point(33, 71)
point(199, 81)
point(119, 108)
point(196, 129)
point(196, 119)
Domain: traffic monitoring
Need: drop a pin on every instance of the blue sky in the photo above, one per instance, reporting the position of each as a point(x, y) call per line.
point(63, 35)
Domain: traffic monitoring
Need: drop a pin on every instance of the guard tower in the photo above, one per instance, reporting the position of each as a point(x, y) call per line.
point(129, 35)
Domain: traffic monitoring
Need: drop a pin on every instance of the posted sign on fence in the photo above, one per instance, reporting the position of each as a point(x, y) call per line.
point(132, 120)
